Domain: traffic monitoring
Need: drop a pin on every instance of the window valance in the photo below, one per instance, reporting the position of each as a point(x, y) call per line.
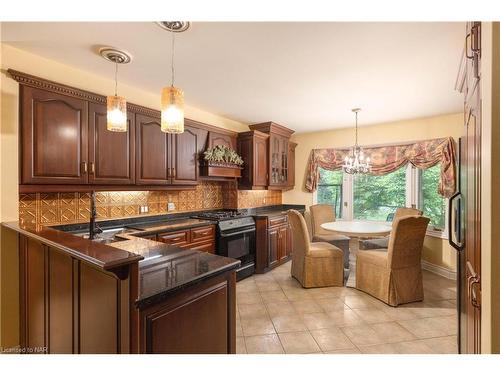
point(387, 159)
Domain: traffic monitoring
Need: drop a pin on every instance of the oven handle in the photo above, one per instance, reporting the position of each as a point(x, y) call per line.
point(236, 233)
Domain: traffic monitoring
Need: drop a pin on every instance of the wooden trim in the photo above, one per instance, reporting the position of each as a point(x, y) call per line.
point(272, 127)
point(47, 85)
point(27, 189)
point(439, 270)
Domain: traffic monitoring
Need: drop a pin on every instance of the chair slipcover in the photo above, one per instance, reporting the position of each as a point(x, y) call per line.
point(316, 264)
point(395, 276)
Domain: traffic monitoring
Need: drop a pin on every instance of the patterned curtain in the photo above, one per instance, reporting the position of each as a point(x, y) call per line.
point(387, 159)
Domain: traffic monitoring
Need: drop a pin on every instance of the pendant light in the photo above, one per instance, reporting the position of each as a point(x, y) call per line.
point(172, 98)
point(116, 105)
point(356, 163)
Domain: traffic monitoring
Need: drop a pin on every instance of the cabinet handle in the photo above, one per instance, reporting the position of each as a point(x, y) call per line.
point(84, 166)
point(173, 172)
point(92, 167)
point(168, 172)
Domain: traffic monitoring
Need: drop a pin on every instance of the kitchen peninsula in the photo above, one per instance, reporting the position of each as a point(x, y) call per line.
point(134, 295)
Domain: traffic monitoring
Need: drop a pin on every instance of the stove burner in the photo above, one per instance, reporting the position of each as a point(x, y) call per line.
point(220, 215)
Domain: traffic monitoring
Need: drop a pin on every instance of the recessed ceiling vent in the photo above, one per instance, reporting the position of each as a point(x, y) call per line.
point(175, 26)
point(115, 55)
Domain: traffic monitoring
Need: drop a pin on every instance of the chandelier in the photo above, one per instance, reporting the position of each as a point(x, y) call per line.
point(356, 163)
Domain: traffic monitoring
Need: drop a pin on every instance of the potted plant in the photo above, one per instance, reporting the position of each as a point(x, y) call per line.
point(221, 161)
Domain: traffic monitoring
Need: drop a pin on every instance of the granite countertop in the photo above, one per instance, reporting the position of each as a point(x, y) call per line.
point(169, 225)
point(277, 210)
point(168, 268)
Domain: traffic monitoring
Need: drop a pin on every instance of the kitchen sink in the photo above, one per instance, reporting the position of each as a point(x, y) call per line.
point(107, 235)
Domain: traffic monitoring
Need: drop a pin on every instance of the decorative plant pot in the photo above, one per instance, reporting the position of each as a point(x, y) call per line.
point(220, 169)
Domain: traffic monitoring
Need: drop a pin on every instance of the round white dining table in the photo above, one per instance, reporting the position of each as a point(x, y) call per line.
point(357, 229)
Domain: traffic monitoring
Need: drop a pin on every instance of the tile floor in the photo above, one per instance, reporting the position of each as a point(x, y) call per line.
point(276, 315)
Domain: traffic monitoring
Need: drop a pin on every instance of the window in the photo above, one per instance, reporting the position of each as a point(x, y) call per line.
point(430, 202)
point(330, 189)
point(367, 197)
point(377, 197)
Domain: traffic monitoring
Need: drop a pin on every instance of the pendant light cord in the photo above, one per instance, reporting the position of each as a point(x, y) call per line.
point(173, 52)
point(116, 78)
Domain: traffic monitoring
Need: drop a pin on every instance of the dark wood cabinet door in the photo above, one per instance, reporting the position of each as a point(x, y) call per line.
point(184, 160)
point(111, 154)
point(151, 152)
point(283, 242)
point(54, 138)
point(260, 162)
point(191, 323)
point(273, 246)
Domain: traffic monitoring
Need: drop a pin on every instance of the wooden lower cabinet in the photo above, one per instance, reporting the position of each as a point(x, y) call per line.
point(199, 238)
point(68, 306)
point(196, 320)
point(273, 242)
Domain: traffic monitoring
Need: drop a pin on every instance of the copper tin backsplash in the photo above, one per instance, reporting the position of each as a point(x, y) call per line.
point(40, 209)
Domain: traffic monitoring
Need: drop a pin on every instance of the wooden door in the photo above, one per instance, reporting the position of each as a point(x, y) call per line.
point(273, 244)
point(184, 157)
point(471, 189)
point(151, 152)
point(111, 154)
point(283, 242)
point(53, 137)
point(260, 161)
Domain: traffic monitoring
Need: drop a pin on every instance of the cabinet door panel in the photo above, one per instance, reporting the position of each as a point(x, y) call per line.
point(54, 138)
point(283, 242)
point(111, 153)
point(196, 324)
point(273, 242)
point(184, 161)
point(260, 162)
point(152, 152)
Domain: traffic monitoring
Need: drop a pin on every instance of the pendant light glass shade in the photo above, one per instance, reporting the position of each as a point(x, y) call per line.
point(116, 113)
point(172, 110)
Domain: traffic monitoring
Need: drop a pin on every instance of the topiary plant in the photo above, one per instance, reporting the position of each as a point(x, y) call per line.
point(222, 154)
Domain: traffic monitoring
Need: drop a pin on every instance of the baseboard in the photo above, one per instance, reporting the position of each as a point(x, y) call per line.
point(439, 270)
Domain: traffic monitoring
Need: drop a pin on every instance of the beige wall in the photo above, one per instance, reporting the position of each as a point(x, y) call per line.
point(490, 188)
point(35, 65)
point(436, 250)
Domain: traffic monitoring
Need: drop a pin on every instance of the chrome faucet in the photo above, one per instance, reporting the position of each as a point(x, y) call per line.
point(93, 229)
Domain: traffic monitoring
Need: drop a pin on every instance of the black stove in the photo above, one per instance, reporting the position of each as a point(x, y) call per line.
point(235, 238)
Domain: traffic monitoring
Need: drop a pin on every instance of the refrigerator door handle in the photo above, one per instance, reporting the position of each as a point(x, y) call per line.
point(455, 222)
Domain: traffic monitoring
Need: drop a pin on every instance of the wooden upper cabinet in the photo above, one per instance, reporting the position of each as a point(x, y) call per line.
point(54, 138)
point(111, 154)
point(184, 160)
point(252, 146)
point(152, 152)
point(278, 171)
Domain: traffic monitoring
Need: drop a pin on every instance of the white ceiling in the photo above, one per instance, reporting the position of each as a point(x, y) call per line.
point(306, 76)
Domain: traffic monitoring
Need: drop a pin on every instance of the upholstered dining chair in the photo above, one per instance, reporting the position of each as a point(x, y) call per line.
point(395, 276)
point(383, 243)
point(324, 213)
point(314, 264)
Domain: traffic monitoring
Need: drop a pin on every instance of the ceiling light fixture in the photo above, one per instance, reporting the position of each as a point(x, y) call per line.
point(116, 105)
point(356, 163)
point(172, 98)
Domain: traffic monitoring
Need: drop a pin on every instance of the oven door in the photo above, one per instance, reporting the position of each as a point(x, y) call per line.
point(238, 243)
